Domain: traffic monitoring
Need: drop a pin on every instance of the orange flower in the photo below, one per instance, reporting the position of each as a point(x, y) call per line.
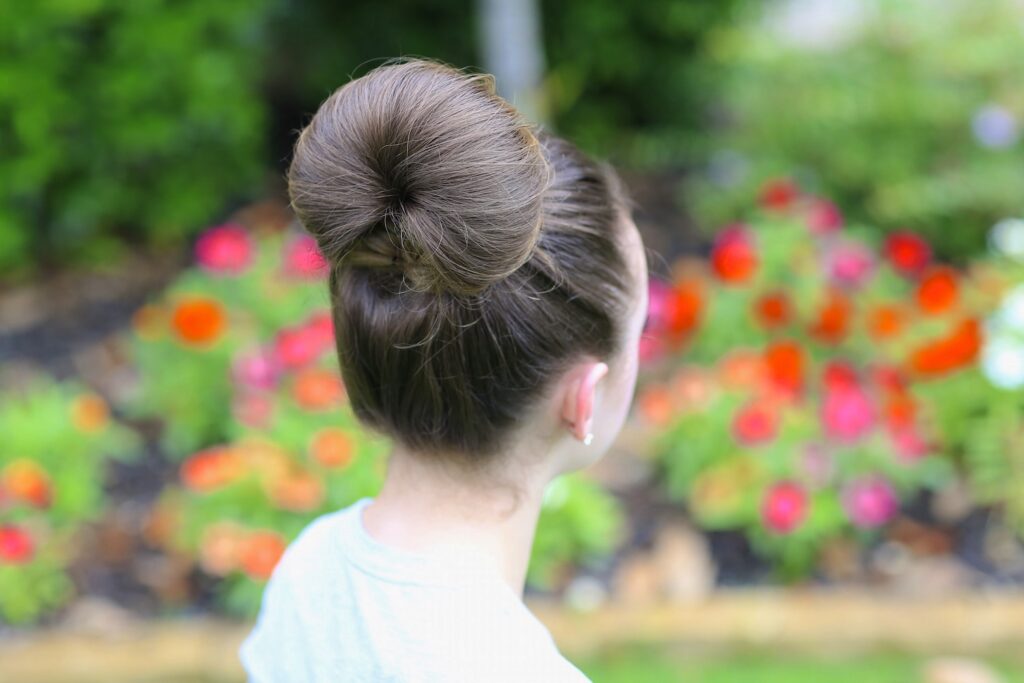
point(656, 405)
point(332, 447)
point(26, 480)
point(954, 351)
point(886, 321)
point(211, 468)
point(318, 389)
point(742, 368)
point(833, 318)
point(784, 361)
point(261, 552)
point(938, 290)
point(298, 492)
point(220, 547)
point(89, 413)
point(199, 320)
point(692, 388)
point(773, 310)
point(899, 410)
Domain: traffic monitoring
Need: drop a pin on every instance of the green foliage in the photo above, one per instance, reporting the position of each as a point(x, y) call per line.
point(123, 119)
point(626, 79)
point(883, 122)
point(640, 95)
point(57, 437)
point(580, 523)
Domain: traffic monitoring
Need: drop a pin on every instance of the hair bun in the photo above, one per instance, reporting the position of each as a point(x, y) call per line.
point(423, 168)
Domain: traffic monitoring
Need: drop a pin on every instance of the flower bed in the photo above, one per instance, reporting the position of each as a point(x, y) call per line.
point(809, 377)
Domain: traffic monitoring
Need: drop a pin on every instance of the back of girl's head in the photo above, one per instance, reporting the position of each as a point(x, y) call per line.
point(472, 257)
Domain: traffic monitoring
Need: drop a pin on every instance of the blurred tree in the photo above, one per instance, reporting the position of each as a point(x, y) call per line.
point(122, 118)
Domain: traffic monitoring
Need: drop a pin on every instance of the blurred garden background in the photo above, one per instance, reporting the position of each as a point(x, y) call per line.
point(823, 472)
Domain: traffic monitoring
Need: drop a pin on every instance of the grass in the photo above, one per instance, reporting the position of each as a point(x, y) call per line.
point(651, 665)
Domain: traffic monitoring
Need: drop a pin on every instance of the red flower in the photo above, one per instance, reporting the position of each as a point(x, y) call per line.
point(839, 375)
point(778, 194)
point(773, 310)
point(321, 328)
point(908, 253)
point(954, 351)
point(833, 318)
point(938, 290)
point(733, 257)
point(785, 507)
point(683, 308)
point(225, 249)
point(756, 423)
point(785, 362)
point(16, 546)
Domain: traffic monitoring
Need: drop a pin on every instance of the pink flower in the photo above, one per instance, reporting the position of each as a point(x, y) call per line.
point(651, 348)
point(847, 412)
point(321, 328)
point(823, 217)
point(296, 347)
point(253, 409)
point(256, 370)
point(302, 258)
point(870, 502)
point(784, 507)
point(817, 465)
point(755, 423)
point(224, 250)
point(849, 263)
point(16, 545)
point(909, 443)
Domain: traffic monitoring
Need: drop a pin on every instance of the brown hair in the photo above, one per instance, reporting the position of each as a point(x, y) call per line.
point(473, 257)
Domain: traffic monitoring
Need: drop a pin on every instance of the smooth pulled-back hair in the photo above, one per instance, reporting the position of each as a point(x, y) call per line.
point(472, 256)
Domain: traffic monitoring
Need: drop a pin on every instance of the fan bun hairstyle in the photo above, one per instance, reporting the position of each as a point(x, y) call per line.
point(472, 257)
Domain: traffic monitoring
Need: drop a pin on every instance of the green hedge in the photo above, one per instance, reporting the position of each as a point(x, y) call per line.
point(119, 119)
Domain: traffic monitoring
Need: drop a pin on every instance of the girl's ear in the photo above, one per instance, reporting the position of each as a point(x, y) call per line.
point(578, 408)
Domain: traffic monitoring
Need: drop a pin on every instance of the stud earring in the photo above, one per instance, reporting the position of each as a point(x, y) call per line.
point(588, 439)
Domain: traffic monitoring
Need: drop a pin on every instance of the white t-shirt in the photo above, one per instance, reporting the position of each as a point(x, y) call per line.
point(342, 606)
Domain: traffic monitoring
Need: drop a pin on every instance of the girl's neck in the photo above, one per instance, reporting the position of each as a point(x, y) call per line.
point(425, 509)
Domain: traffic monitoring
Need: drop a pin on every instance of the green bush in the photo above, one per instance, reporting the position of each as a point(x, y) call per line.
point(123, 120)
point(914, 120)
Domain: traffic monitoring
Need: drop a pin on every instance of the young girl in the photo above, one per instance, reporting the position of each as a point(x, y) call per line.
point(488, 289)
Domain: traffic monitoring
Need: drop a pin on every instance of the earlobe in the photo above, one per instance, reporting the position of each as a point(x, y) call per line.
point(582, 418)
